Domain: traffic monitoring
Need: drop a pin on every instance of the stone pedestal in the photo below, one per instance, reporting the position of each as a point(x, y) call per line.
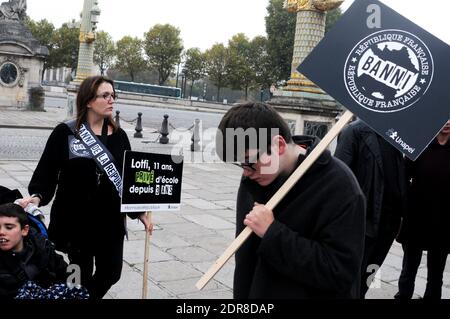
point(306, 113)
point(36, 98)
point(72, 91)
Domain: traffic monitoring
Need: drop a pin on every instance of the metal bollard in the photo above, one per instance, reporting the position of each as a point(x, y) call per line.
point(195, 146)
point(164, 130)
point(138, 128)
point(117, 118)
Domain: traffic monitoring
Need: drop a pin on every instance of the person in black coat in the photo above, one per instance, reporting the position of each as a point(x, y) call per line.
point(311, 245)
point(85, 218)
point(380, 171)
point(25, 255)
point(427, 222)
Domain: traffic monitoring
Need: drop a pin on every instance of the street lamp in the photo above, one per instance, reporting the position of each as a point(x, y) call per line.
point(178, 74)
point(181, 62)
point(88, 26)
point(73, 64)
point(103, 68)
point(183, 86)
point(95, 16)
point(204, 91)
point(89, 21)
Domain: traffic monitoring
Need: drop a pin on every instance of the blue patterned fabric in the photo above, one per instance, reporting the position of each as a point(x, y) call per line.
point(58, 291)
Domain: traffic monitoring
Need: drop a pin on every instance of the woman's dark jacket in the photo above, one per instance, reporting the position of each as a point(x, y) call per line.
point(38, 262)
point(314, 247)
point(427, 221)
point(83, 213)
point(359, 148)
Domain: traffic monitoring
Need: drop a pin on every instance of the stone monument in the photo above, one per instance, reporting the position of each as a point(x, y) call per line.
point(307, 108)
point(21, 59)
point(85, 68)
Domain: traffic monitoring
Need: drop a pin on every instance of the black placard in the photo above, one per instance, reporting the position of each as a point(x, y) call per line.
point(151, 182)
point(388, 71)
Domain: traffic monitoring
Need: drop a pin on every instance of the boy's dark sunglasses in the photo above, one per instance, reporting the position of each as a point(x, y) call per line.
point(249, 163)
point(247, 166)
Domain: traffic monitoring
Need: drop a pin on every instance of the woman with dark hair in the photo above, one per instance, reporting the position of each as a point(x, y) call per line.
point(80, 167)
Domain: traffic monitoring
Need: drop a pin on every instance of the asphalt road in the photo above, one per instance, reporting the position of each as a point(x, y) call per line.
point(153, 116)
point(22, 144)
point(27, 144)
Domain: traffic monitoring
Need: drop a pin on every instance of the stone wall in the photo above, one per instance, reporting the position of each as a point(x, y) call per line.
point(21, 63)
point(29, 75)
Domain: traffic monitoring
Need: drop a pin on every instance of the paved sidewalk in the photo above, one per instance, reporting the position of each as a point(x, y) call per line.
point(20, 118)
point(184, 244)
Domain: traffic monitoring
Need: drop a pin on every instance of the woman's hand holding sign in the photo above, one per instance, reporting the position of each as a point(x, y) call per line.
point(147, 223)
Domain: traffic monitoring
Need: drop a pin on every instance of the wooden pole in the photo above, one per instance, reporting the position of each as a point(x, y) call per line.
point(146, 258)
point(277, 197)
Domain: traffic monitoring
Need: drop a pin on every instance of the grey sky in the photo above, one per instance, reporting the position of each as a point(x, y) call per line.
point(205, 22)
point(202, 22)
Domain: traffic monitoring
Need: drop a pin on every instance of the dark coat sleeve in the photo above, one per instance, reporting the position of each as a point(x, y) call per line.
point(347, 147)
point(245, 257)
point(410, 170)
point(45, 177)
point(328, 262)
point(56, 264)
point(127, 147)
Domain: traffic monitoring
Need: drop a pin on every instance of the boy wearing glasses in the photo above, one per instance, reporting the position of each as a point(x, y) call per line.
point(311, 245)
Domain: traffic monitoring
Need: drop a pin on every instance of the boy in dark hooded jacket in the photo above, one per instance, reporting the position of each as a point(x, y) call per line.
point(311, 244)
point(25, 255)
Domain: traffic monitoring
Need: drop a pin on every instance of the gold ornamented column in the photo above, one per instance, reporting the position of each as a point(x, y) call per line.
point(85, 68)
point(88, 26)
point(310, 29)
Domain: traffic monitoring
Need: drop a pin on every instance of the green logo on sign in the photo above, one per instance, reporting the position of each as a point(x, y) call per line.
point(145, 177)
